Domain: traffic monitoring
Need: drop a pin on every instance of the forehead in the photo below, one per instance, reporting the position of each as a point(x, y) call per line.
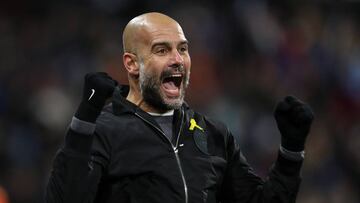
point(165, 32)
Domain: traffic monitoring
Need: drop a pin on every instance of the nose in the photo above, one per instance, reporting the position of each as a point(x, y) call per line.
point(177, 58)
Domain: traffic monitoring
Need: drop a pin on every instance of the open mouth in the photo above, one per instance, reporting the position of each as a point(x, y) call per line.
point(172, 84)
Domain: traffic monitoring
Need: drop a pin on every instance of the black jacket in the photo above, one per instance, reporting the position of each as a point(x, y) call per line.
point(128, 159)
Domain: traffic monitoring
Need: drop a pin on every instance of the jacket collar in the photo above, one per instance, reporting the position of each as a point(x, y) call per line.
point(121, 105)
point(119, 102)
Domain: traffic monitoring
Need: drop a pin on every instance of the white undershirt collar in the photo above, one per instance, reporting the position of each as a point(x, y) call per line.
point(168, 113)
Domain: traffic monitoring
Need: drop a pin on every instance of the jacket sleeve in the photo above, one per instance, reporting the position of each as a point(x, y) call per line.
point(241, 184)
point(75, 172)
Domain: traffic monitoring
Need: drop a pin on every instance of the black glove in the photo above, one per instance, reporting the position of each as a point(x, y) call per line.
point(294, 120)
point(98, 87)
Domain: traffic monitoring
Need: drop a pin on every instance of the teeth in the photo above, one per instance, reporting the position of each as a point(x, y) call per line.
point(176, 75)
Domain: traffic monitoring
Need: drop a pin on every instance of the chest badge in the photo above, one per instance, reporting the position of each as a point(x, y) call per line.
point(193, 125)
point(199, 135)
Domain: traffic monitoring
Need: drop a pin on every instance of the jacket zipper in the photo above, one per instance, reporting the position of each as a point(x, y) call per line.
point(175, 148)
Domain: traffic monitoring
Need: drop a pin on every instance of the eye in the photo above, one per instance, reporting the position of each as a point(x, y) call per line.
point(161, 50)
point(183, 49)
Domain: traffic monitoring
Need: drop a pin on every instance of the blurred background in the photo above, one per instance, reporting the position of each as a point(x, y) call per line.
point(246, 56)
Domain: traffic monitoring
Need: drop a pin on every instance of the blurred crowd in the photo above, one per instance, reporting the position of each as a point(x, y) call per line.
point(246, 55)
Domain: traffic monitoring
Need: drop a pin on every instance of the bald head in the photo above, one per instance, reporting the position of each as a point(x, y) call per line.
point(157, 61)
point(136, 31)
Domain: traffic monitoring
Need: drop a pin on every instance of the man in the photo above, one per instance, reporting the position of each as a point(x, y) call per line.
point(149, 146)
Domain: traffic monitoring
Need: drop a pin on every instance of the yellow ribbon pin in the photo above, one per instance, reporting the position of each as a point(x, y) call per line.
point(194, 125)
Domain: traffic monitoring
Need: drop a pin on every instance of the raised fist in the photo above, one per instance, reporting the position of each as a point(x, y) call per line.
point(98, 87)
point(293, 118)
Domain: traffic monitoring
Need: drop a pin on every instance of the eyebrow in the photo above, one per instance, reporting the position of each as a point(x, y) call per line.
point(167, 44)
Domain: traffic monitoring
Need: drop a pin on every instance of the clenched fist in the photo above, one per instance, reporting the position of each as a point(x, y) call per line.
point(98, 87)
point(293, 118)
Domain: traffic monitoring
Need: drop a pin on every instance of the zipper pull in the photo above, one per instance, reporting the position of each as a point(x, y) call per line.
point(176, 149)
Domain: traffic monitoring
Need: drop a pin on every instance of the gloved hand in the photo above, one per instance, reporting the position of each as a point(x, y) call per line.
point(293, 118)
point(98, 87)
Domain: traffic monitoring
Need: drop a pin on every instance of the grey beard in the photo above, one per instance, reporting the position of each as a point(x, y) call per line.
point(150, 91)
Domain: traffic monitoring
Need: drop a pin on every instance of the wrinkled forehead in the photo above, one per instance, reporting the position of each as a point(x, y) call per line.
point(154, 32)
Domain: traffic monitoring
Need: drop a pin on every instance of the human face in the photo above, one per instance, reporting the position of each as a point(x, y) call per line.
point(164, 71)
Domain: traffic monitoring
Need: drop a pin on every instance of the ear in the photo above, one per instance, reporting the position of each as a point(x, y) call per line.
point(131, 64)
